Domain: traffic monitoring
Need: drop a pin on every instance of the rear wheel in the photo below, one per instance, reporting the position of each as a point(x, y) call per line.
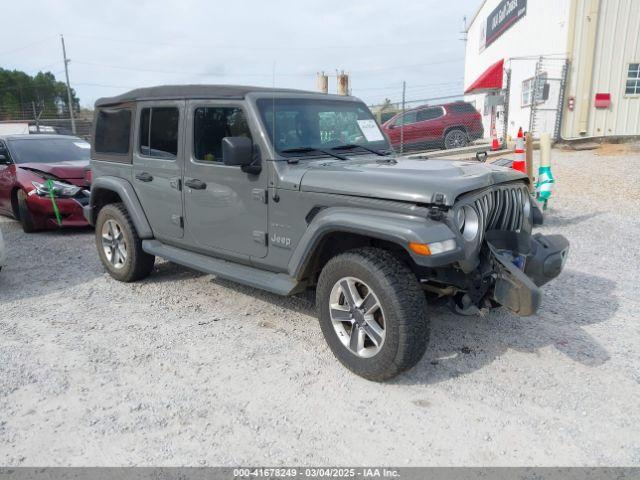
point(26, 219)
point(119, 247)
point(372, 313)
point(456, 138)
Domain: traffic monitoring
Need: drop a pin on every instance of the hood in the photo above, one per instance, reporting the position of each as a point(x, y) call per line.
point(71, 170)
point(404, 179)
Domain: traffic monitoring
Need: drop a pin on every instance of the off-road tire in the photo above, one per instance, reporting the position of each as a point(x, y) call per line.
point(138, 263)
point(403, 302)
point(448, 139)
point(26, 219)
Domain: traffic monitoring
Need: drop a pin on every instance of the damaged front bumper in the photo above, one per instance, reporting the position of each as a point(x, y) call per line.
point(70, 209)
point(522, 264)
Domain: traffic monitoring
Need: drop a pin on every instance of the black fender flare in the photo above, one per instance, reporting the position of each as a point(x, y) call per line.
point(393, 227)
point(127, 194)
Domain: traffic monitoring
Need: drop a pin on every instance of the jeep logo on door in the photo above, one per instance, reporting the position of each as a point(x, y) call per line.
point(281, 241)
point(503, 16)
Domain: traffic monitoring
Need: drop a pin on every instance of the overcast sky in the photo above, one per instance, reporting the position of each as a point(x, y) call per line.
point(122, 44)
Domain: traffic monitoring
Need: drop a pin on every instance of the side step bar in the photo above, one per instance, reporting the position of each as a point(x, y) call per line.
point(278, 283)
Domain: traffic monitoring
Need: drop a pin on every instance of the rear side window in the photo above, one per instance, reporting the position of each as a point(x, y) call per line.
point(211, 125)
point(159, 132)
point(429, 114)
point(461, 108)
point(113, 128)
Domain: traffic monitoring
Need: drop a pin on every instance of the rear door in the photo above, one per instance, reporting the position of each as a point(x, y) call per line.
point(158, 159)
point(225, 208)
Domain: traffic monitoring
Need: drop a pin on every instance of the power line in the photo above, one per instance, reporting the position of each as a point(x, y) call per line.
point(24, 47)
point(235, 45)
point(410, 87)
point(102, 85)
point(249, 74)
point(423, 100)
point(183, 72)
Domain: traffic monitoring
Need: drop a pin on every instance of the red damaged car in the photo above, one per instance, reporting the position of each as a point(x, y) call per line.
point(43, 180)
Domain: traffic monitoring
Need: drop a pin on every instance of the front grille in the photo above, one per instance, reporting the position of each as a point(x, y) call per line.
point(501, 208)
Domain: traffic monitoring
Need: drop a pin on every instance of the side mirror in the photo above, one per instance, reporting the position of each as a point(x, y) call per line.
point(3, 159)
point(238, 151)
point(392, 126)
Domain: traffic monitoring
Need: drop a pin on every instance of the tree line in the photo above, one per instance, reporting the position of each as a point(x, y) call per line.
point(20, 92)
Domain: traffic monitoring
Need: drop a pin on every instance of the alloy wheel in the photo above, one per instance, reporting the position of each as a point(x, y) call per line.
point(114, 244)
point(357, 317)
point(455, 139)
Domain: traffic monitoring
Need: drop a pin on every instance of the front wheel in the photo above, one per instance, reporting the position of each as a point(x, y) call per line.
point(372, 313)
point(119, 247)
point(26, 219)
point(456, 138)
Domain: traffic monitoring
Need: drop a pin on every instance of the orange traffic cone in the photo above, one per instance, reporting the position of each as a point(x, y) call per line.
point(519, 161)
point(495, 145)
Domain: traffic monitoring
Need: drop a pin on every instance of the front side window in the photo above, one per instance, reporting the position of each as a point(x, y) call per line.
point(113, 127)
point(407, 119)
point(633, 79)
point(211, 125)
point(159, 132)
point(295, 123)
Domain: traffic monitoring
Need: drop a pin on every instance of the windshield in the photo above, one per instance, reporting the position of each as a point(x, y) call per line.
point(318, 124)
point(48, 150)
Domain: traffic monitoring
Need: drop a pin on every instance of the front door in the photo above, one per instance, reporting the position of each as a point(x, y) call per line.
point(225, 208)
point(157, 165)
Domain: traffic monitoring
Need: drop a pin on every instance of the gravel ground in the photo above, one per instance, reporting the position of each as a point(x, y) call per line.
point(187, 369)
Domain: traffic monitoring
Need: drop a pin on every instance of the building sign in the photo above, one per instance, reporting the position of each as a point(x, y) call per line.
point(503, 16)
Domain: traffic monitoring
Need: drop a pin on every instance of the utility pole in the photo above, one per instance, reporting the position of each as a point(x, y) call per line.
point(36, 117)
point(404, 91)
point(66, 73)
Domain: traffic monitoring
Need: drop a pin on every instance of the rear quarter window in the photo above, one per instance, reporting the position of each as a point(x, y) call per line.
point(461, 108)
point(113, 131)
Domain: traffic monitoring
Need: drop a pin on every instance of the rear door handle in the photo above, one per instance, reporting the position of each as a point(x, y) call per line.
point(144, 177)
point(195, 183)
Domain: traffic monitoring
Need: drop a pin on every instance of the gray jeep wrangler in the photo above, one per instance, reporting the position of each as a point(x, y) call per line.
point(286, 190)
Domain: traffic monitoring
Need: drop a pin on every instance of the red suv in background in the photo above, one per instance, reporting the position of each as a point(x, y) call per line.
point(451, 125)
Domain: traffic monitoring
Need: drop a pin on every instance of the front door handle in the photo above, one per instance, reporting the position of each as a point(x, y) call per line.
point(195, 183)
point(144, 177)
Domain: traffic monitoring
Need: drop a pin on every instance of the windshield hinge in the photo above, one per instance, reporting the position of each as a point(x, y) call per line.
point(436, 212)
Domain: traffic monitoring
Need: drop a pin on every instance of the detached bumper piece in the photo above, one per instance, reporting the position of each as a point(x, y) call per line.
point(542, 257)
point(548, 256)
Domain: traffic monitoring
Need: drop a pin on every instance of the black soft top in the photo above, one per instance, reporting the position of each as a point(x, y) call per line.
point(173, 92)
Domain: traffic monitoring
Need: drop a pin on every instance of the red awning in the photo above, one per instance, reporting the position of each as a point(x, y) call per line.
point(491, 79)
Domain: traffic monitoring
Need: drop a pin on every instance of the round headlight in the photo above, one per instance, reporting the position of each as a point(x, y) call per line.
point(471, 224)
point(459, 219)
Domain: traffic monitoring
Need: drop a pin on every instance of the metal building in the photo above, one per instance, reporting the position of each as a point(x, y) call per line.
point(567, 67)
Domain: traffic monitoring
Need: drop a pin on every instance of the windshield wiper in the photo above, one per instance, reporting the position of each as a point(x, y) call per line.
point(352, 146)
point(312, 150)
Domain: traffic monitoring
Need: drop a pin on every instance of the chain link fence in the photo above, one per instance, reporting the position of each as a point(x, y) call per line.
point(32, 119)
point(430, 123)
